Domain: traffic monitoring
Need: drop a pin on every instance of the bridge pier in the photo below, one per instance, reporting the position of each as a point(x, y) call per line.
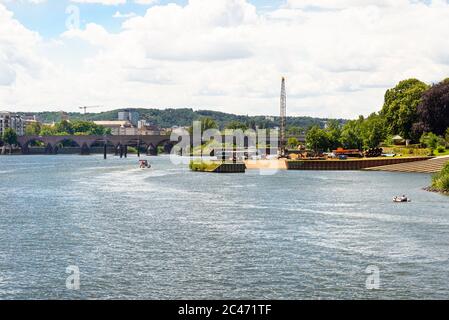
point(85, 150)
point(49, 149)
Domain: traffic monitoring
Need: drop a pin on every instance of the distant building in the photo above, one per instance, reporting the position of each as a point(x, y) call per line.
point(29, 119)
point(13, 121)
point(148, 129)
point(119, 128)
point(129, 115)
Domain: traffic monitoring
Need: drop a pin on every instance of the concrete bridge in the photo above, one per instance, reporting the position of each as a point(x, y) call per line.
point(92, 144)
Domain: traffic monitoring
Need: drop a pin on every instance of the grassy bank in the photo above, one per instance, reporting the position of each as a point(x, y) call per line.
point(440, 181)
point(204, 166)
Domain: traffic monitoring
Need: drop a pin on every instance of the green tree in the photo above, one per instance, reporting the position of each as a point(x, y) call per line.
point(64, 128)
point(33, 129)
point(206, 124)
point(333, 130)
point(446, 136)
point(430, 140)
point(400, 107)
point(295, 131)
point(88, 128)
point(293, 143)
point(235, 125)
point(47, 130)
point(351, 134)
point(373, 131)
point(317, 139)
point(9, 138)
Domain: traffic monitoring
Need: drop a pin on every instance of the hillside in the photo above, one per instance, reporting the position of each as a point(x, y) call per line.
point(184, 117)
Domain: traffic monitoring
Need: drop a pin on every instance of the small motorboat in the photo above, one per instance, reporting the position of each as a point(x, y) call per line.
point(401, 199)
point(144, 164)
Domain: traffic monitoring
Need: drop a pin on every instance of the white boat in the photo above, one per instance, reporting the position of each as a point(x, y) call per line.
point(401, 199)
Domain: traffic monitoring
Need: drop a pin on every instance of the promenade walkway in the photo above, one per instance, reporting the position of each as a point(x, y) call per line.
point(426, 166)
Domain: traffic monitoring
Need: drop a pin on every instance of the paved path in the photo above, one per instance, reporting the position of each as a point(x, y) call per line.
point(426, 166)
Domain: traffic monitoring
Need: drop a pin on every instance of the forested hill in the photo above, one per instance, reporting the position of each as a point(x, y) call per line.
point(184, 117)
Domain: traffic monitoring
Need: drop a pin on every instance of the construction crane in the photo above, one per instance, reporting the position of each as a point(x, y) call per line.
point(283, 142)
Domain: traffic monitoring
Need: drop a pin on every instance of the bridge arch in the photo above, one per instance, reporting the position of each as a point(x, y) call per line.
point(167, 145)
point(36, 145)
point(66, 146)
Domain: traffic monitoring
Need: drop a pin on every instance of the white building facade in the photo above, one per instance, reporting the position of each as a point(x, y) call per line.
point(13, 121)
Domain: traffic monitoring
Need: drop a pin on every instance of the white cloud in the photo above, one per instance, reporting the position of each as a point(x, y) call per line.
point(225, 55)
point(18, 51)
point(342, 4)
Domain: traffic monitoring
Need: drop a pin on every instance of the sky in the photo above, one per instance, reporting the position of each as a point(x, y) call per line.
point(338, 56)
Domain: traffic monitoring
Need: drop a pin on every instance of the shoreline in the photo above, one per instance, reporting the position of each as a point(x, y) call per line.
point(434, 190)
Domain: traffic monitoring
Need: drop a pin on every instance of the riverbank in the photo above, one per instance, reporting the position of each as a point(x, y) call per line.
point(440, 181)
point(435, 190)
point(331, 164)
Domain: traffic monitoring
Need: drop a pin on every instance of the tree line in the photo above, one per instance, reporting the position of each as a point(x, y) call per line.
point(66, 128)
point(412, 109)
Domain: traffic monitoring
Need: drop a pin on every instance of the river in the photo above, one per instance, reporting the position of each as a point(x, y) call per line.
point(168, 233)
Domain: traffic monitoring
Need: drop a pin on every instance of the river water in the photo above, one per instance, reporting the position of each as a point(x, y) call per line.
point(167, 233)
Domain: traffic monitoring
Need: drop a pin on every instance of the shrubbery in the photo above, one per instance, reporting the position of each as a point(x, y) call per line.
point(204, 166)
point(440, 181)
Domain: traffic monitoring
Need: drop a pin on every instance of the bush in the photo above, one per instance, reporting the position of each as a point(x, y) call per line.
point(203, 166)
point(429, 140)
point(441, 149)
point(440, 181)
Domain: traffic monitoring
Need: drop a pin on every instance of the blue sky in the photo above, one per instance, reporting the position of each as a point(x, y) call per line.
point(48, 18)
point(338, 56)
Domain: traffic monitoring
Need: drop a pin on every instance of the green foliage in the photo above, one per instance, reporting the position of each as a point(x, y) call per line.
point(203, 166)
point(446, 136)
point(132, 150)
point(9, 136)
point(64, 128)
point(317, 139)
point(295, 131)
point(293, 143)
point(440, 181)
point(77, 128)
point(33, 129)
point(400, 107)
point(441, 149)
point(206, 124)
point(333, 131)
point(184, 117)
point(237, 125)
point(47, 130)
point(351, 135)
point(429, 140)
point(373, 131)
point(88, 128)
